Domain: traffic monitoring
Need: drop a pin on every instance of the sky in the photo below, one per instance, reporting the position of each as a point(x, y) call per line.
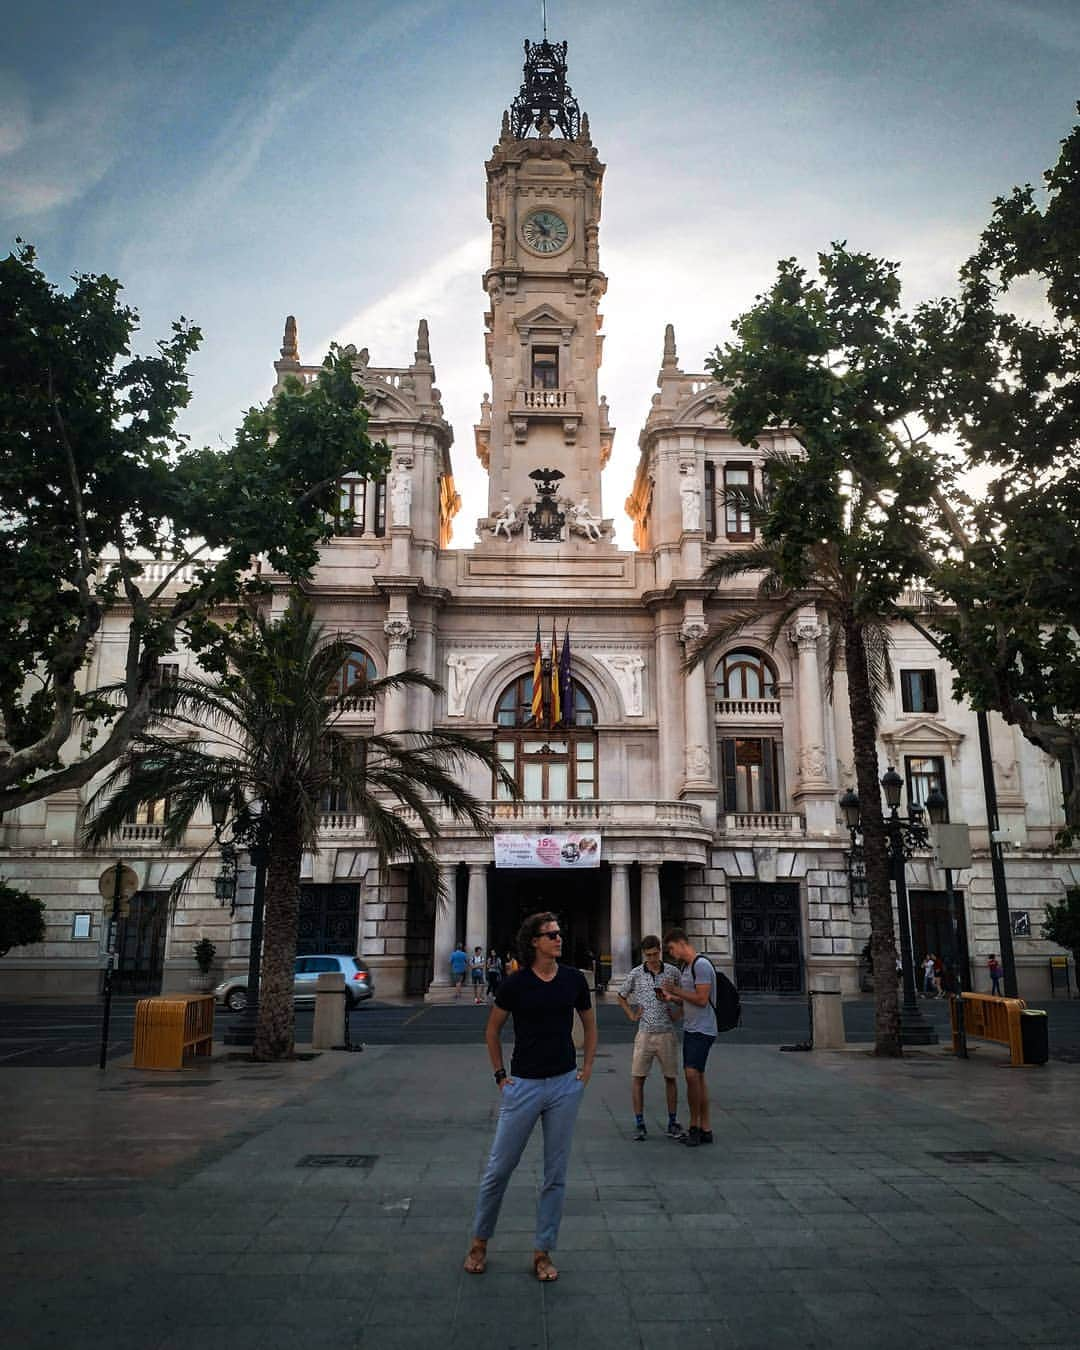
point(238, 161)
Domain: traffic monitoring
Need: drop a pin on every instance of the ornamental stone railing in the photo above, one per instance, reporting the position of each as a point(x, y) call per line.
point(748, 707)
point(763, 822)
point(517, 815)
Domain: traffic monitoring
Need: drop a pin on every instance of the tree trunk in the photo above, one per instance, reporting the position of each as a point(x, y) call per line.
point(274, 1033)
point(878, 881)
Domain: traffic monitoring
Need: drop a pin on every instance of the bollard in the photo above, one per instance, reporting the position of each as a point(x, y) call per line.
point(330, 995)
point(827, 1012)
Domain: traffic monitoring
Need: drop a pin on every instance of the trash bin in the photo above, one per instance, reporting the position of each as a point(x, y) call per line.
point(1035, 1035)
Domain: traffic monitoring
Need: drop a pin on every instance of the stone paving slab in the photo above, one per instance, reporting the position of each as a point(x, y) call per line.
point(821, 1218)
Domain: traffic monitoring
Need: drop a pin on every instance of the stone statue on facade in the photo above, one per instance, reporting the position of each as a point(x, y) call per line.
point(507, 521)
point(462, 668)
point(582, 520)
point(627, 671)
point(400, 495)
point(690, 495)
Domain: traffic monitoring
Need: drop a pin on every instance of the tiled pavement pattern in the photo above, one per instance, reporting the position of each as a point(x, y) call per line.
point(820, 1218)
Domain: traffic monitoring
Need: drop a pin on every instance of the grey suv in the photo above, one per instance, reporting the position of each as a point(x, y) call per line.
point(359, 986)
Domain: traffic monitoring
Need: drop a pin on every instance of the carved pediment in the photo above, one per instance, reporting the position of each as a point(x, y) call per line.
point(923, 736)
point(544, 316)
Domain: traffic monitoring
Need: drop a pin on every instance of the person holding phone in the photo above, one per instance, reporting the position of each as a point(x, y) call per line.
point(696, 991)
point(642, 1000)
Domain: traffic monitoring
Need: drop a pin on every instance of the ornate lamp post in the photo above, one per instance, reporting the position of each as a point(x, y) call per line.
point(903, 836)
point(938, 809)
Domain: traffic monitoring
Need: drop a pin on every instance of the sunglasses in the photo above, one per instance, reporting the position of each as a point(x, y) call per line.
point(552, 933)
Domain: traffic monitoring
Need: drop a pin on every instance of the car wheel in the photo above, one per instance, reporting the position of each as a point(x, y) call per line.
point(236, 1000)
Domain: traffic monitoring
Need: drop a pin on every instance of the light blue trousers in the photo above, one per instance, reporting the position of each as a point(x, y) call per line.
point(554, 1102)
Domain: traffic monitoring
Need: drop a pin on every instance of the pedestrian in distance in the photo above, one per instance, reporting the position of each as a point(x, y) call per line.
point(478, 966)
point(459, 967)
point(494, 973)
point(642, 1002)
point(928, 975)
point(510, 964)
point(939, 977)
point(993, 965)
point(696, 992)
point(544, 1084)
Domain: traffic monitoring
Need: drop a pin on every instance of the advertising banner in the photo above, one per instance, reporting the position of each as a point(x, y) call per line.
point(547, 850)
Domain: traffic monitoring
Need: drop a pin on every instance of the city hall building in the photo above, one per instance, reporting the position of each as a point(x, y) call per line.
point(650, 796)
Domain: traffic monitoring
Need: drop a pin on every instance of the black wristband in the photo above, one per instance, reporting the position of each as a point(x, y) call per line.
point(499, 1075)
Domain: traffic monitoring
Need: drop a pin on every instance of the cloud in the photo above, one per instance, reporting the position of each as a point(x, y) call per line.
point(53, 153)
point(1057, 30)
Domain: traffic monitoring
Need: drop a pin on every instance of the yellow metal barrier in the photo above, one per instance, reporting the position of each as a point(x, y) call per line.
point(989, 1017)
point(171, 1027)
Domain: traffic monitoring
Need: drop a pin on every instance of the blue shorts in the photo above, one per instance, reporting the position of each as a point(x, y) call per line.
point(695, 1049)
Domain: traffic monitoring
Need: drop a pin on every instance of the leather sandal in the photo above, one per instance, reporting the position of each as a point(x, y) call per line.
point(545, 1271)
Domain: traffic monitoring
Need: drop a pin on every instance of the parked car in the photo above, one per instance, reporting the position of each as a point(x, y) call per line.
point(359, 985)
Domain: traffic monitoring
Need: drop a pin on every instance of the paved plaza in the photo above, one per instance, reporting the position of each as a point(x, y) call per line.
point(846, 1202)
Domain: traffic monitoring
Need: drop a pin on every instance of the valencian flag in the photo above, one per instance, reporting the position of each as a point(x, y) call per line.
point(538, 681)
point(556, 692)
point(562, 679)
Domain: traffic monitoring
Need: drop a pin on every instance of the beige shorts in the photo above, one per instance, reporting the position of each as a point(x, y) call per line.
point(650, 1045)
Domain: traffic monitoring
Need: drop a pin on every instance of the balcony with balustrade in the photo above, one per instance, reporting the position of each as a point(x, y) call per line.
point(545, 405)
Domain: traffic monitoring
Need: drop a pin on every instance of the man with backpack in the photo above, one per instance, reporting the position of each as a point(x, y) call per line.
point(696, 991)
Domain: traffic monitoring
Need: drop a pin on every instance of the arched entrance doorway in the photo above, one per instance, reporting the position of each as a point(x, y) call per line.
point(582, 900)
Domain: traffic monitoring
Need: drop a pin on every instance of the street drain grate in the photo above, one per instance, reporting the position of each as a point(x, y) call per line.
point(362, 1160)
point(969, 1156)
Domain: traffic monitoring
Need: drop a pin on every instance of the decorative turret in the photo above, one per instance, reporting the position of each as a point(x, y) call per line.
point(546, 102)
point(290, 349)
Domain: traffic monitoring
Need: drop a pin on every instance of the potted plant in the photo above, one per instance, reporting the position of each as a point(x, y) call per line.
point(204, 952)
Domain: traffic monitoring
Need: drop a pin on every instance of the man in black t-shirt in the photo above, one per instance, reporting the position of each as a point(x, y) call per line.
point(544, 1084)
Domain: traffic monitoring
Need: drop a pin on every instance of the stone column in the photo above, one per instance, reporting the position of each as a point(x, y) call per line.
point(371, 491)
point(698, 726)
point(650, 899)
point(621, 961)
point(669, 697)
point(445, 928)
point(815, 793)
point(398, 630)
point(476, 908)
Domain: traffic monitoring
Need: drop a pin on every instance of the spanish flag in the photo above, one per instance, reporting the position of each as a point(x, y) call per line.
point(556, 696)
point(538, 681)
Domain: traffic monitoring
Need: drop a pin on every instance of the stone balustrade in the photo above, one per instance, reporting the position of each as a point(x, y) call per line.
point(763, 823)
point(743, 708)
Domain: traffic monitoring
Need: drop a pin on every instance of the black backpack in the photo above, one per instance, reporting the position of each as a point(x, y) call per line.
point(728, 1007)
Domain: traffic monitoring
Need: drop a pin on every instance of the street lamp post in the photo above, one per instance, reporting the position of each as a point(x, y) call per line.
point(937, 809)
point(903, 836)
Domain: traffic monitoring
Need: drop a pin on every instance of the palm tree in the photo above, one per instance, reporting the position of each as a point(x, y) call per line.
point(852, 574)
point(268, 731)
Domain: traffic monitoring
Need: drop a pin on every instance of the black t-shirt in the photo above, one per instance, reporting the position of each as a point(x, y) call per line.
point(543, 1013)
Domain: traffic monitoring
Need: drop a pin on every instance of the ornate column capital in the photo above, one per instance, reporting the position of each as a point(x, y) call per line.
point(399, 630)
point(805, 632)
point(692, 630)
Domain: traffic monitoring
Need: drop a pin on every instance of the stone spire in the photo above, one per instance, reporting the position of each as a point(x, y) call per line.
point(671, 358)
point(290, 349)
point(423, 348)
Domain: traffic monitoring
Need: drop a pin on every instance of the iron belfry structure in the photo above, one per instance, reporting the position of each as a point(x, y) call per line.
point(657, 796)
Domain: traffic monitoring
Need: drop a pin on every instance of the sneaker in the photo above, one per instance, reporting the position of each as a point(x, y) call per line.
point(640, 1133)
point(691, 1138)
point(675, 1130)
point(705, 1136)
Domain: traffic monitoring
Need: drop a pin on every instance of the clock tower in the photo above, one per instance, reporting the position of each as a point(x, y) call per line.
point(543, 341)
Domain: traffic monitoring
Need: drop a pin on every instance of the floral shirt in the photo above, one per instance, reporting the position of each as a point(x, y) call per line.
point(639, 991)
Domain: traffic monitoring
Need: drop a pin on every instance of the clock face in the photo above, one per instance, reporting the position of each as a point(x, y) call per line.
point(545, 232)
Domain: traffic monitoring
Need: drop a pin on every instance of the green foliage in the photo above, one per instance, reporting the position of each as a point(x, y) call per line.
point(1062, 923)
point(22, 918)
point(204, 952)
point(96, 482)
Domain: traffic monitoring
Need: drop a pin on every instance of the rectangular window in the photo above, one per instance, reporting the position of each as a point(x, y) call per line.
point(168, 672)
point(380, 506)
point(354, 499)
point(545, 368)
point(149, 813)
point(918, 691)
point(81, 925)
point(751, 777)
point(710, 500)
point(924, 773)
point(738, 478)
point(1068, 781)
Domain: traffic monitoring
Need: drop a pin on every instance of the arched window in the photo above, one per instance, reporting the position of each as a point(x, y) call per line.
point(547, 763)
point(359, 668)
point(744, 674)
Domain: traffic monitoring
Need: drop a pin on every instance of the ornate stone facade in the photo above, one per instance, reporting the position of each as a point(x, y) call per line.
point(712, 791)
